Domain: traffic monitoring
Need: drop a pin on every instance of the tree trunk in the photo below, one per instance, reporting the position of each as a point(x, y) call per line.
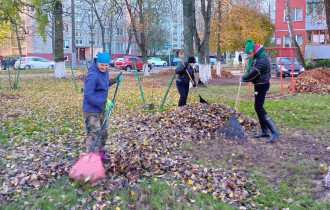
point(140, 36)
point(327, 13)
point(188, 23)
point(110, 34)
point(218, 41)
point(219, 29)
point(18, 41)
point(101, 26)
point(73, 35)
point(53, 37)
point(60, 71)
point(130, 36)
point(203, 46)
point(293, 40)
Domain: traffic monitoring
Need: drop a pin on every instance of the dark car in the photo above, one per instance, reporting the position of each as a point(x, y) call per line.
point(127, 63)
point(286, 67)
point(8, 62)
point(112, 63)
point(175, 61)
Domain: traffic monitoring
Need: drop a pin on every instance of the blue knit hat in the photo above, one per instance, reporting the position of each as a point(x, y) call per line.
point(103, 58)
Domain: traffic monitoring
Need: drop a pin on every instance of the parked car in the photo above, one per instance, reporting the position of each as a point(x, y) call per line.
point(175, 61)
point(212, 61)
point(286, 67)
point(34, 63)
point(127, 63)
point(8, 62)
point(112, 63)
point(157, 61)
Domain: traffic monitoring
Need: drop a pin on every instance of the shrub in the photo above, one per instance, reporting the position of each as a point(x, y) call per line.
point(320, 63)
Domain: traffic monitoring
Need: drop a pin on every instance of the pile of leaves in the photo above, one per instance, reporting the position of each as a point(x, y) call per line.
point(320, 74)
point(313, 81)
point(142, 146)
point(167, 72)
point(226, 74)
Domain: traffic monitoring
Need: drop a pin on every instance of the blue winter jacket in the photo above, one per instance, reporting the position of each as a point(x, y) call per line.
point(96, 89)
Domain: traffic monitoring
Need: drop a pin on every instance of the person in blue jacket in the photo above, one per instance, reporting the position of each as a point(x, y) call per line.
point(96, 101)
point(182, 81)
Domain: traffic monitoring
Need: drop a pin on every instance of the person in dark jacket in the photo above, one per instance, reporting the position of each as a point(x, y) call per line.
point(182, 81)
point(95, 101)
point(258, 72)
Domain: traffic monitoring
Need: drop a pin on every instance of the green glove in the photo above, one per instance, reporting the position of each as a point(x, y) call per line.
point(119, 78)
point(109, 105)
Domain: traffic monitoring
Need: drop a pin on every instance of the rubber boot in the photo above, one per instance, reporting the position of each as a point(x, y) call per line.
point(264, 129)
point(273, 129)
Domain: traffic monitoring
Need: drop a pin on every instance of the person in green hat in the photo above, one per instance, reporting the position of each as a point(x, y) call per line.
point(258, 72)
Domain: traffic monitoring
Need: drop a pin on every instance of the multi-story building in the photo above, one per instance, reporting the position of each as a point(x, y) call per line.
point(318, 37)
point(310, 29)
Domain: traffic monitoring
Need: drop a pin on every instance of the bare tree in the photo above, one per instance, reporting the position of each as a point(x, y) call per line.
point(293, 40)
point(202, 46)
point(73, 34)
point(60, 71)
point(137, 16)
point(88, 19)
point(188, 23)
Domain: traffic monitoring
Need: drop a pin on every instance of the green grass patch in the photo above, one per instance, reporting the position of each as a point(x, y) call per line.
point(153, 194)
point(298, 111)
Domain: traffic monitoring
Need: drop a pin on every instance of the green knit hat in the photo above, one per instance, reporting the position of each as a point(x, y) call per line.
point(249, 47)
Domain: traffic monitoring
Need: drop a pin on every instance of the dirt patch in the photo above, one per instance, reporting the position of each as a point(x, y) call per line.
point(275, 162)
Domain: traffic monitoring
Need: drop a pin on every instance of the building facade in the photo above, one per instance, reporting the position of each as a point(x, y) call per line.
point(309, 25)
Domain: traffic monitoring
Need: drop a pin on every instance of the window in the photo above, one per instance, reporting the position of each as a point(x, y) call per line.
point(79, 42)
point(66, 27)
point(119, 32)
point(78, 18)
point(66, 44)
point(296, 14)
point(119, 46)
point(107, 45)
point(78, 34)
point(315, 9)
point(278, 41)
point(78, 26)
point(287, 42)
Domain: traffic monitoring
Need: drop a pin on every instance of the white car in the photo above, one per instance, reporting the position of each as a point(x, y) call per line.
point(34, 63)
point(157, 62)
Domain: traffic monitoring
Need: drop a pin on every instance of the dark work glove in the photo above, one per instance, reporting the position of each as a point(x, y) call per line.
point(194, 85)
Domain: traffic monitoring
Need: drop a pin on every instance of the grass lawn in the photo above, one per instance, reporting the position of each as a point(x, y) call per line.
point(47, 111)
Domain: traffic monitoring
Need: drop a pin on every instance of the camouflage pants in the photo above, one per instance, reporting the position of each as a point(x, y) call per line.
point(93, 122)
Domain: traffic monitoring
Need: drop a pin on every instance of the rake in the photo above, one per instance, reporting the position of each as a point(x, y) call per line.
point(232, 128)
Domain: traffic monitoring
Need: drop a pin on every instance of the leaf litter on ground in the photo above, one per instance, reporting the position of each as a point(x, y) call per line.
point(147, 145)
point(47, 137)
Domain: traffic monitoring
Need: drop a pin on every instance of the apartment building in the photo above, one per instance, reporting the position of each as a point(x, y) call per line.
point(309, 25)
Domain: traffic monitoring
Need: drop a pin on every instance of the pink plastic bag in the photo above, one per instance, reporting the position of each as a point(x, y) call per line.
point(89, 168)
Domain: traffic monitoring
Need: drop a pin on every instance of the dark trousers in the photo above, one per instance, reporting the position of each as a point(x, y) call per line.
point(183, 91)
point(260, 95)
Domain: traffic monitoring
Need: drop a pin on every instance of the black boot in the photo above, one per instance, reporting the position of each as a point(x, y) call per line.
point(264, 129)
point(273, 129)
